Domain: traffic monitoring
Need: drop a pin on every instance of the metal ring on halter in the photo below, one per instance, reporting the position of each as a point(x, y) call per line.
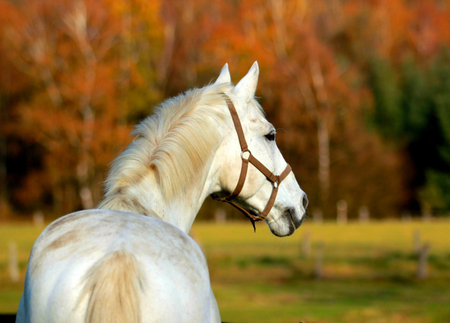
point(249, 154)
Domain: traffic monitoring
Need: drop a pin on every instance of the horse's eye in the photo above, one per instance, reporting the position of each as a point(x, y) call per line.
point(271, 136)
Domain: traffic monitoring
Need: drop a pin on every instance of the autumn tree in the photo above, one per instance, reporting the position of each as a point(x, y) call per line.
point(69, 52)
point(351, 85)
point(308, 92)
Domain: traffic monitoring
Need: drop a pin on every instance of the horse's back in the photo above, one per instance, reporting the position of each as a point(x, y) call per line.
point(108, 266)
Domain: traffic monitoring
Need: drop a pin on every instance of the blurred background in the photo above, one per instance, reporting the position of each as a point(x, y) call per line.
point(359, 91)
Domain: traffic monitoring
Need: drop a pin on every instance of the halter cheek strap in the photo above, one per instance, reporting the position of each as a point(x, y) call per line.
point(247, 158)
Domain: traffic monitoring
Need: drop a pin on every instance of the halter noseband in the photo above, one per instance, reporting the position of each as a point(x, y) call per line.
point(247, 157)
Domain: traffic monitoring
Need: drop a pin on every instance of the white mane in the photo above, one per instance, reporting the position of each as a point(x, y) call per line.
point(175, 143)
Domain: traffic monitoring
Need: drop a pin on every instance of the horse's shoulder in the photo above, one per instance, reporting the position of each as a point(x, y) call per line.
point(97, 232)
point(70, 227)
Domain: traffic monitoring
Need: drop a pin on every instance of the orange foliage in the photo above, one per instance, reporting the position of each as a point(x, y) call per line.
point(77, 74)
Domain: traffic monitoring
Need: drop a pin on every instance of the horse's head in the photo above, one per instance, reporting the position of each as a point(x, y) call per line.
point(270, 189)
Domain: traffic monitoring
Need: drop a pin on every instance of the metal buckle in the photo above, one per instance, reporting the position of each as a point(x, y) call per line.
point(246, 158)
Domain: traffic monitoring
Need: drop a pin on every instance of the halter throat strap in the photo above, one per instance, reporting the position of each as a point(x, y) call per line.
point(247, 157)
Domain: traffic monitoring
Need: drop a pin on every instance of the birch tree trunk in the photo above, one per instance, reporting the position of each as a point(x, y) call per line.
point(76, 27)
point(324, 157)
point(312, 85)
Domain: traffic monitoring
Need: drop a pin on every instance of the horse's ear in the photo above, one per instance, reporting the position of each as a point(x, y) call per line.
point(224, 76)
point(246, 87)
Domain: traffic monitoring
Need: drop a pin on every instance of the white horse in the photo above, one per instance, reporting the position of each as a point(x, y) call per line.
point(131, 260)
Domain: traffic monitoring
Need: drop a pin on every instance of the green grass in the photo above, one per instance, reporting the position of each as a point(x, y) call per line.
point(23, 236)
point(369, 272)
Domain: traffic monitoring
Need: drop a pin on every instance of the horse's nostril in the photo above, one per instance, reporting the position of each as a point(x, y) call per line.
point(305, 201)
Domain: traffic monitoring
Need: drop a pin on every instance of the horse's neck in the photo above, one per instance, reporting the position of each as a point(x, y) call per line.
point(145, 198)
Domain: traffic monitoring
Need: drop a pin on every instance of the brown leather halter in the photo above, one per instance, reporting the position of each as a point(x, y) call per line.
point(247, 157)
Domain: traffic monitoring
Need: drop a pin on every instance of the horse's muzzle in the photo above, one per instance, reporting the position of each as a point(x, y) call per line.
point(295, 218)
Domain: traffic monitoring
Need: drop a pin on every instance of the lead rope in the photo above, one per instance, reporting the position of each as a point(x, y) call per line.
point(247, 158)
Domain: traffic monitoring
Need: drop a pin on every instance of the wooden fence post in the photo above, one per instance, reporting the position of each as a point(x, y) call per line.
point(318, 263)
point(406, 216)
point(417, 241)
point(426, 212)
point(13, 266)
point(220, 216)
point(342, 212)
point(422, 270)
point(38, 219)
point(363, 214)
point(317, 215)
point(306, 244)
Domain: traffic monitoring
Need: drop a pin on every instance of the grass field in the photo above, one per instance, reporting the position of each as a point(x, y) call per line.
point(369, 272)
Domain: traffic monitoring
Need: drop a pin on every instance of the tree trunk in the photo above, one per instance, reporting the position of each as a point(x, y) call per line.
point(324, 158)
